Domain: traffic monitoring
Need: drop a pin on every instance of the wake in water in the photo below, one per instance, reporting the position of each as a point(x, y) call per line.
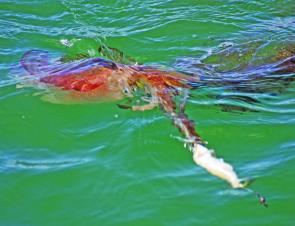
point(89, 79)
point(246, 76)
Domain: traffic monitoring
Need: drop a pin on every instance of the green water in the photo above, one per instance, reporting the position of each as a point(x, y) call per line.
point(96, 164)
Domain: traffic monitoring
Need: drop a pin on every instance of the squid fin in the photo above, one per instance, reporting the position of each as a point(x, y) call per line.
point(35, 62)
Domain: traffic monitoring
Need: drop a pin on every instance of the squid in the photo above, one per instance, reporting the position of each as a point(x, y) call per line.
point(98, 78)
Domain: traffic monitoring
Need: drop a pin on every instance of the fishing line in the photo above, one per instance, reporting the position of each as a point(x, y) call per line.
point(261, 198)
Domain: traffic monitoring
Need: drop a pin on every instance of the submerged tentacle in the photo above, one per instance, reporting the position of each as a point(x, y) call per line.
point(145, 107)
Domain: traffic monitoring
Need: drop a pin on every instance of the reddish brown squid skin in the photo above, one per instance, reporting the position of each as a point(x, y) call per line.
point(98, 78)
point(104, 81)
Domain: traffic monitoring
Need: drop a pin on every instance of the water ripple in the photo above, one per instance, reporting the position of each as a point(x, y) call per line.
point(283, 154)
point(41, 164)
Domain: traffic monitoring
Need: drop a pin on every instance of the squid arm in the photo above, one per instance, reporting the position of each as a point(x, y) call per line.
point(202, 156)
point(144, 107)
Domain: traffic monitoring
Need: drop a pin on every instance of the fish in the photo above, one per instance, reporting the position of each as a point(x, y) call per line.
point(205, 158)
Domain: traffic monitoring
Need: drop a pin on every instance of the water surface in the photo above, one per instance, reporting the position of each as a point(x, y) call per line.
point(96, 164)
